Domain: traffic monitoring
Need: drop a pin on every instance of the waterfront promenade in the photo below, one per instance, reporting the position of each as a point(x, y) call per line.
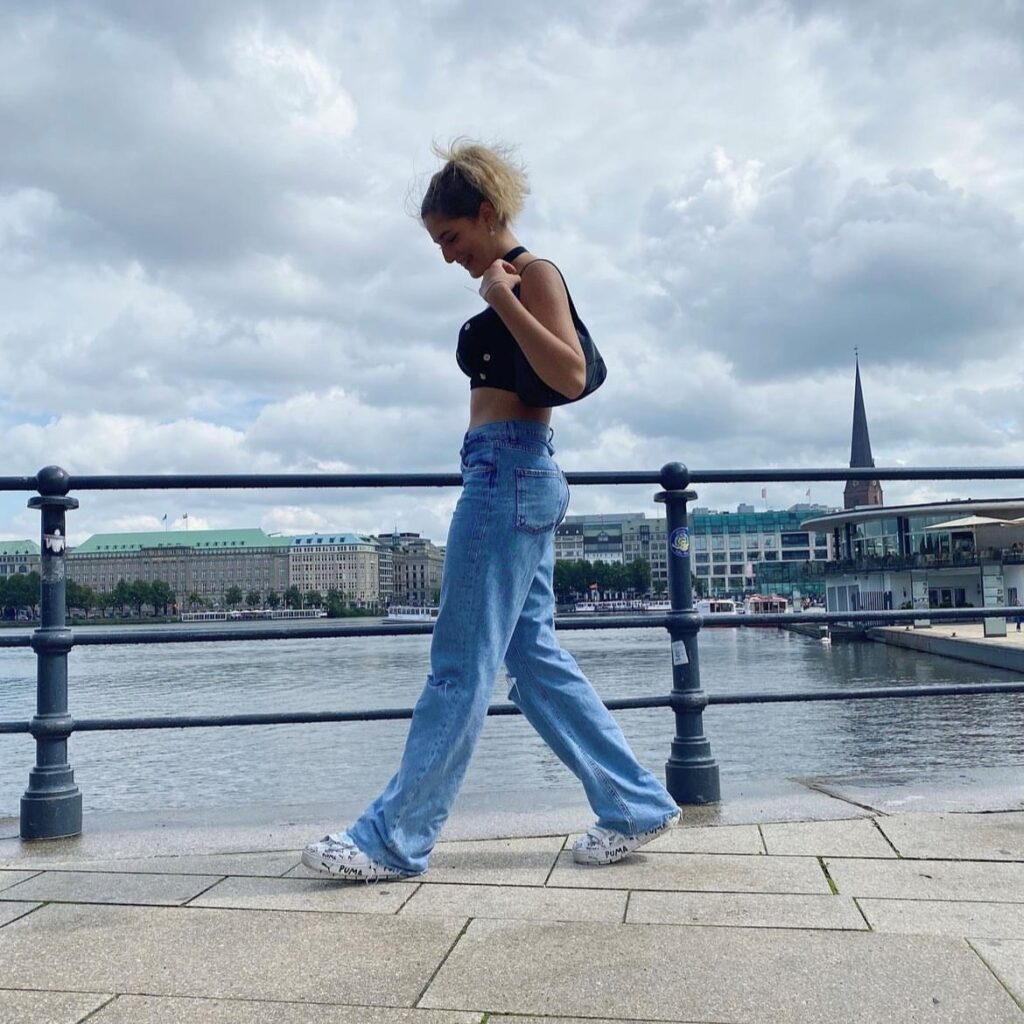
point(848, 900)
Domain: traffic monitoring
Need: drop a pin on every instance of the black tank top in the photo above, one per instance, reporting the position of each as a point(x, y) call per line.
point(490, 356)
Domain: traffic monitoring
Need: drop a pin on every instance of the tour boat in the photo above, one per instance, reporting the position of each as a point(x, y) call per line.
point(716, 606)
point(412, 613)
point(761, 604)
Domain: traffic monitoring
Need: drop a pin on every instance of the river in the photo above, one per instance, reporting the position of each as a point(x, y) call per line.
point(148, 770)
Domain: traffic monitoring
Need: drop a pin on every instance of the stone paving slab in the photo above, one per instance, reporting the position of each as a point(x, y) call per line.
point(253, 954)
point(315, 894)
point(946, 917)
point(12, 911)
point(1006, 958)
point(696, 872)
point(964, 836)
point(48, 1007)
point(9, 878)
point(707, 839)
point(154, 1010)
point(271, 865)
point(736, 975)
point(928, 879)
point(110, 887)
point(959, 789)
point(542, 904)
point(501, 1019)
point(744, 910)
point(856, 838)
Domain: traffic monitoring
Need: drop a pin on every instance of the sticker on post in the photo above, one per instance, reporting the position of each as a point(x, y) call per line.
point(679, 542)
point(679, 653)
point(54, 542)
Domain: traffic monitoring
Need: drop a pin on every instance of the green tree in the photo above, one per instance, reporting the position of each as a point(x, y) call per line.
point(233, 597)
point(19, 593)
point(273, 599)
point(292, 597)
point(252, 599)
point(121, 595)
point(638, 576)
point(140, 593)
point(78, 596)
point(314, 599)
point(161, 596)
point(195, 601)
point(335, 604)
point(104, 602)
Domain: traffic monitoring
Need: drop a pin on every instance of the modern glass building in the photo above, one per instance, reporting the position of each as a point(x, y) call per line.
point(745, 551)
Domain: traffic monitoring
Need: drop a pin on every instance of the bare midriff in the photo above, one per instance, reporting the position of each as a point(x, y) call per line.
point(489, 405)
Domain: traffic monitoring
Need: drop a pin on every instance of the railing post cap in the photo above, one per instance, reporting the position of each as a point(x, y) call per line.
point(674, 476)
point(53, 480)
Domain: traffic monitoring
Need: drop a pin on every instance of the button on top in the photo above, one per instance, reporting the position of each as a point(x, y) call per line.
point(483, 376)
point(487, 357)
point(465, 326)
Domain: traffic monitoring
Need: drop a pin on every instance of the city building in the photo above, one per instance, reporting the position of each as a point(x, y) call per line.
point(615, 539)
point(769, 552)
point(728, 549)
point(191, 562)
point(346, 562)
point(18, 556)
point(418, 564)
point(955, 554)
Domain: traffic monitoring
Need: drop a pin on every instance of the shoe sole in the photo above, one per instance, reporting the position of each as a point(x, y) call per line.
point(616, 854)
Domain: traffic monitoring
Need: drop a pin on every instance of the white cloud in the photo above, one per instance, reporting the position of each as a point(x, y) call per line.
point(210, 264)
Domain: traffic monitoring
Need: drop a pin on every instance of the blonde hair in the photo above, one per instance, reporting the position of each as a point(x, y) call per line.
point(473, 172)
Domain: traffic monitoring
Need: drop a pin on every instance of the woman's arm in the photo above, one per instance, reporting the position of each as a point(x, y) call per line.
point(541, 322)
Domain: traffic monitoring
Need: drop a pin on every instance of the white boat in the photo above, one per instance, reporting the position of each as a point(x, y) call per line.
point(584, 608)
point(250, 614)
point(412, 613)
point(716, 606)
point(762, 604)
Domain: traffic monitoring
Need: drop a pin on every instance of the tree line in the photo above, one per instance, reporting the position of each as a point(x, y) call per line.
point(574, 579)
point(20, 593)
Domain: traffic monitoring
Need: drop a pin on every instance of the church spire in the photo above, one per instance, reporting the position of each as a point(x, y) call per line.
point(860, 492)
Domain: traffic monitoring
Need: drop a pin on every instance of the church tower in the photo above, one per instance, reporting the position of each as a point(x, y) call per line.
point(861, 492)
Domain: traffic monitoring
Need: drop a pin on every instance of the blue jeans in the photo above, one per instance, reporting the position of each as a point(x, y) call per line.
point(497, 603)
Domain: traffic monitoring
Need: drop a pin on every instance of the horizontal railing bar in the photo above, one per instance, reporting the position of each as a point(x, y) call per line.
point(868, 693)
point(622, 704)
point(647, 620)
point(243, 481)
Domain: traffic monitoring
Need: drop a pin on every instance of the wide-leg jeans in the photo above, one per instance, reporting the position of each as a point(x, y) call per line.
point(497, 604)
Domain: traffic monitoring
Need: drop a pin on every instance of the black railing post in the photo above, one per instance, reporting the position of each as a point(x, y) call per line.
point(691, 774)
point(52, 805)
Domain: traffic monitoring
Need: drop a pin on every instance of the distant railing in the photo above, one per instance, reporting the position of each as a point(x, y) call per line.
point(52, 804)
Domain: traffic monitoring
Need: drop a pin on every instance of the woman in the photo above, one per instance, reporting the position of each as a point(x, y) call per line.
point(497, 602)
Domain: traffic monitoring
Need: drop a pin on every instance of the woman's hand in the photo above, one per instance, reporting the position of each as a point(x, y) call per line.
point(498, 273)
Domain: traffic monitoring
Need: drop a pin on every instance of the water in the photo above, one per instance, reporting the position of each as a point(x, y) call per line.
point(148, 770)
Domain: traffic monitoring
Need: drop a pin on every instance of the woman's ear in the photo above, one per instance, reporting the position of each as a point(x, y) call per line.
point(487, 215)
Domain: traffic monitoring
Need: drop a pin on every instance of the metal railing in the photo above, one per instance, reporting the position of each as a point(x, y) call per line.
point(52, 804)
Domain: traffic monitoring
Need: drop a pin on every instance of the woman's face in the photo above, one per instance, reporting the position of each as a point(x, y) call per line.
point(468, 241)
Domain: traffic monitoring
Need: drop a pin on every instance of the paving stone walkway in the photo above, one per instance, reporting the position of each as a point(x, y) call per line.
point(904, 917)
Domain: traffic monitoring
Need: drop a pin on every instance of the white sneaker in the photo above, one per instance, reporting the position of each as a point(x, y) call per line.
point(339, 857)
point(606, 846)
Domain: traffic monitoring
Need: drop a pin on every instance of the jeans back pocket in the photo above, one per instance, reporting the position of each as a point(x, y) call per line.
point(539, 499)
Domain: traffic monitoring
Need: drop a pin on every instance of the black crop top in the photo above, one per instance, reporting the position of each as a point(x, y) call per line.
point(489, 355)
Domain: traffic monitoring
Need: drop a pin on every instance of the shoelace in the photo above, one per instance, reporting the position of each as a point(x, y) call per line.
point(598, 835)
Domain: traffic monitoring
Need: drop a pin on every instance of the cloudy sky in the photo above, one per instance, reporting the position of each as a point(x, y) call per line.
point(210, 260)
